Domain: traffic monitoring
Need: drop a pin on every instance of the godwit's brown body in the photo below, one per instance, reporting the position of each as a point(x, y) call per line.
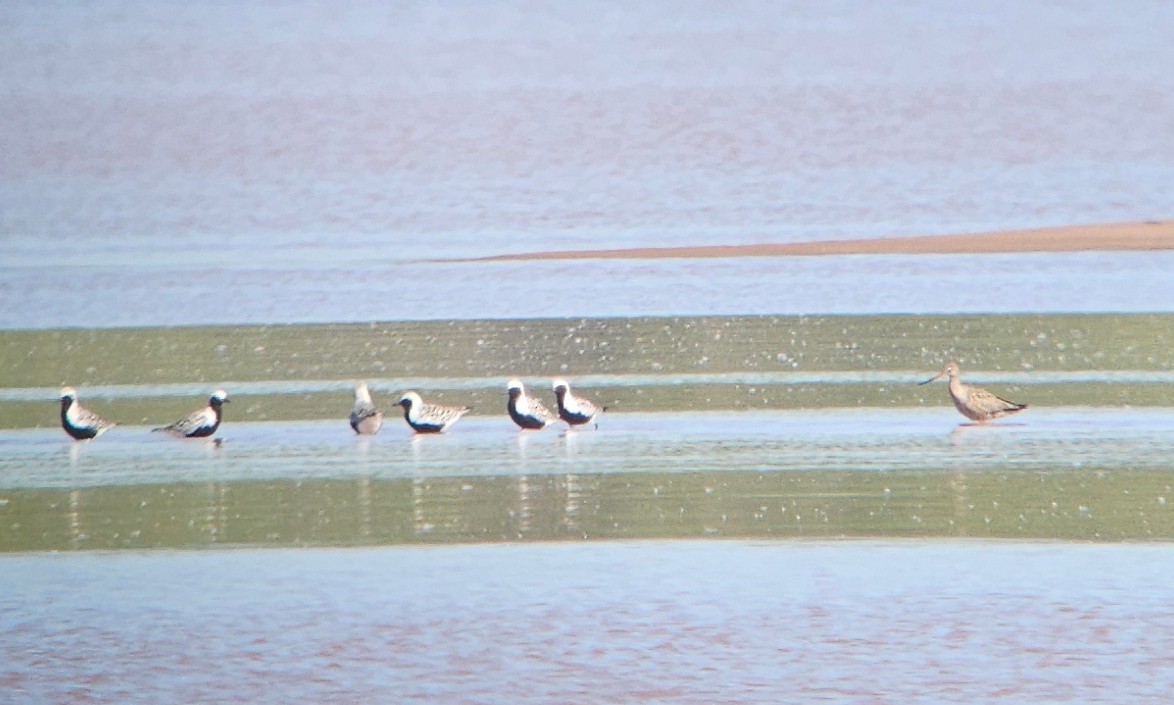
point(975, 403)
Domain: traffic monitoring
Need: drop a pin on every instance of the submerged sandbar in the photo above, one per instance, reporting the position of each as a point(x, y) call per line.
point(1114, 237)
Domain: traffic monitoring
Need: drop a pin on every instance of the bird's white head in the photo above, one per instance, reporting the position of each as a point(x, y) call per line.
point(68, 393)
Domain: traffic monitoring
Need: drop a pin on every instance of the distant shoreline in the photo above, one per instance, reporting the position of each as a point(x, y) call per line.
point(1149, 235)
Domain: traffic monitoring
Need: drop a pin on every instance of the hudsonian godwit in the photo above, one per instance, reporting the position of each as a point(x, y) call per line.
point(975, 403)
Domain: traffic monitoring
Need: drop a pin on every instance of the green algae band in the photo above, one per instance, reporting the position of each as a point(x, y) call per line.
point(303, 371)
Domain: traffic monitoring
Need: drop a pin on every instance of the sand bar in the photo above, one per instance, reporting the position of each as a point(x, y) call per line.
point(1149, 235)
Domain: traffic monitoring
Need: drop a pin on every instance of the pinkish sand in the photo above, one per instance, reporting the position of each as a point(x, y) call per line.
point(1151, 235)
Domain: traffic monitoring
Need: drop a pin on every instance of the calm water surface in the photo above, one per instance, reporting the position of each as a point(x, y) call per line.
point(159, 163)
point(481, 446)
point(159, 295)
point(454, 130)
point(199, 163)
point(689, 622)
point(1076, 473)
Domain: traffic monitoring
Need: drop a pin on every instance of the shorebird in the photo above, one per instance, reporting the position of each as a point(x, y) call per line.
point(201, 422)
point(365, 418)
point(526, 411)
point(425, 417)
point(576, 411)
point(975, 403)
point(78, 421)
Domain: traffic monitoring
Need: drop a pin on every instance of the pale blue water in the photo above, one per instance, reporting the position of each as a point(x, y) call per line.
point(636, 622)
point(197, 163)
point(105, 296)
point(183, 163)
point(931, 440)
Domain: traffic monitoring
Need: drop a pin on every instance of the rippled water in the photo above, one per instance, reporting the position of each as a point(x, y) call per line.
point(712, 622)
point(196, 164)
point(157, 295)
point(1049, 473)
point(934, 439)
point(159, 164)
point(462, 130)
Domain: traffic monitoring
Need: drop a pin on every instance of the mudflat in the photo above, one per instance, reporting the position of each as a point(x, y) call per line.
point(1147, 235)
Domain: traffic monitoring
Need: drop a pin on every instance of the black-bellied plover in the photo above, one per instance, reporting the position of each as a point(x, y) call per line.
point(78, 421)
point(365, 418)
point(525, 410)
point(576, 411)
point(975, 403)
point(201, 422)
point(425, 417)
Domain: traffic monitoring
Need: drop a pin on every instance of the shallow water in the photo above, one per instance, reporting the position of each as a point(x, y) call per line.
point(151, 294)
point(153, 375)
point(863, 439)
point(206, 164)
point(427, 131)
point(688, 622)
point(197, 166)
point(1049, 473)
